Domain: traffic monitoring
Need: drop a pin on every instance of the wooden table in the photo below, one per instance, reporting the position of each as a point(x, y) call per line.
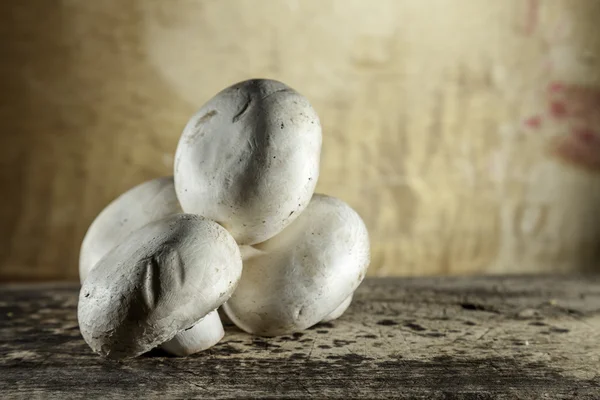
point(442, 338)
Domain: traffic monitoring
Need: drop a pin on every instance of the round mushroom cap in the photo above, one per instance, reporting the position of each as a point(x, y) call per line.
point(301, 276)
point(145, 203)
point(162, 279)
point(249, 159)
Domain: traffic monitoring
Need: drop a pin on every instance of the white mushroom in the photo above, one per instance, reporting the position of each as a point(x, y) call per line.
point(162, 279)
point(249, 159)
point(249, 252)
point(147, 202)
point(335, 314)
point(303, 275)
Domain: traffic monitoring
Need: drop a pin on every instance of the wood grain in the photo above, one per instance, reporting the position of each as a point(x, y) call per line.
point(442, 123)
point(444, 338)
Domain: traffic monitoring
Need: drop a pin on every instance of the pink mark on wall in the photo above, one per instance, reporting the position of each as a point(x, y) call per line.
point(557, 109)
point(577, 108)
point(533, 122)
point(581, 148)
point(555, 87)
point(531, 17)
point(582, 102)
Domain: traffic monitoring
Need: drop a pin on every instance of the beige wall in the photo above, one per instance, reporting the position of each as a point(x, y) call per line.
point(465, 132)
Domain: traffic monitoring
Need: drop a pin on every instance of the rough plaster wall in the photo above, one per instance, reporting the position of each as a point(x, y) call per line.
point(464, 132)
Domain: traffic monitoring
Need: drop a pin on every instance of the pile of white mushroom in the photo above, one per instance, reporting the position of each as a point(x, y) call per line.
point(237, 226)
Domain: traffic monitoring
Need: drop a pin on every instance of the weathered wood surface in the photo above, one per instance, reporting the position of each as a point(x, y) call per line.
point(510, 337)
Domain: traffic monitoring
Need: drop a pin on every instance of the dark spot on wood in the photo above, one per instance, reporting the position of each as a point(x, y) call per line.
point(277, 351)
point(323, 325)
point(295, 336)
point(414, 327)
point(324, 346)
point(369, 336)
point(349, 358)
point(263, 344)
point(342, 343)
point(387, 322)
point(282, 126)
point(537, 323)
point(559, 330)
point(297, 356)
point(477, 307)
point(469, 323)
point(225, 350)
point(322, 331)
point(435, 334)
point(442, 359)
point(305, 340)
point(572, 312)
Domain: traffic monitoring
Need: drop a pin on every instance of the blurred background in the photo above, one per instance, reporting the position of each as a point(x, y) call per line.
point(466, 133)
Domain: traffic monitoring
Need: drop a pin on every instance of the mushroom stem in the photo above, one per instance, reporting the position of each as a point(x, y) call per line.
point(335, 314)
point(205, 334)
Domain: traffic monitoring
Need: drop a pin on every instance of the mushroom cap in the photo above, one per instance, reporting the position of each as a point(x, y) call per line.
point(302, 275)
point(147, 202)
point(249, 159)
point(162, 279)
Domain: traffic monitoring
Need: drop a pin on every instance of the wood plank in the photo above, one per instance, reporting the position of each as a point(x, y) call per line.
point(451, 338)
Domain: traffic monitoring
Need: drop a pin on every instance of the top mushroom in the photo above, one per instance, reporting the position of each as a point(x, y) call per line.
point(249, 159)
